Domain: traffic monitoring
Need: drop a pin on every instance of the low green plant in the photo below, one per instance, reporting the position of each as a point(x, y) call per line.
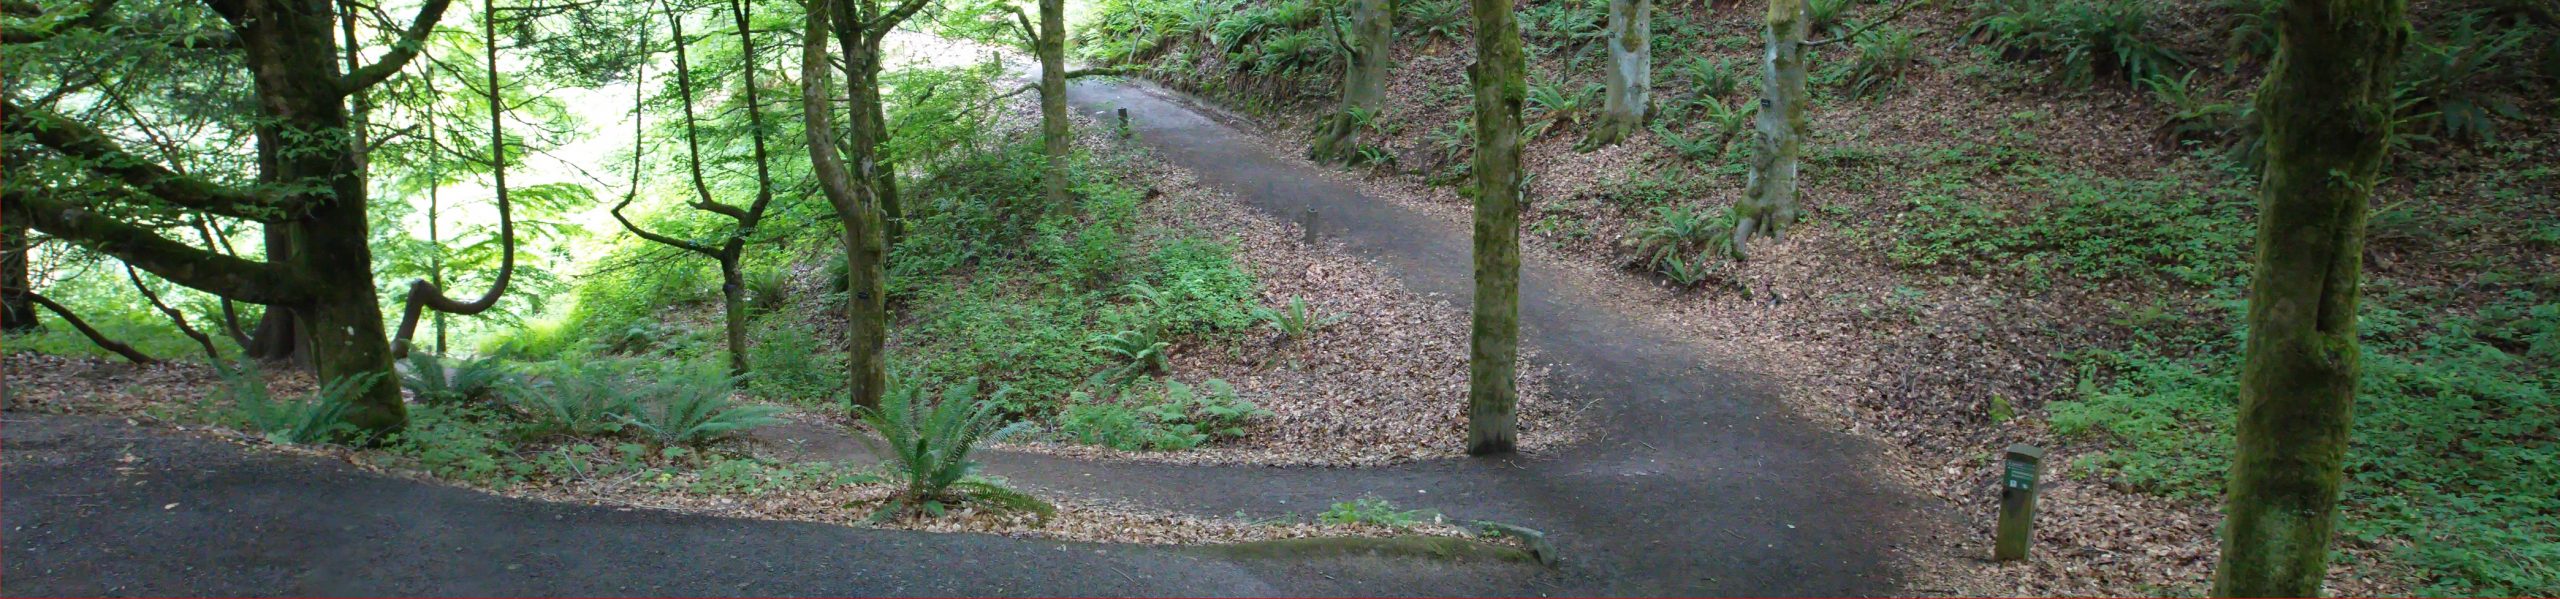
point(1146, 416)
point(689, 405)
point(1138, 351)
point(2451, 84)
point(468, 381)
point(928, 443)
point(1441, 19)
point(783, 365)
point(1370, 510)
point(578, 395)
point(2091, 40)
point(1681, 230)
point(1884, 56)
point(1557, 103)
point(768, 289)
point(318, 418)
point(1295, 320)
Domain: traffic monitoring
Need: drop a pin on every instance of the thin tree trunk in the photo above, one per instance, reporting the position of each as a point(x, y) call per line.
point(176, 316)
point(856, 206)
point(1493, 356)
point(424, 295)
point(278, 337)
point(1630, 74)
point(1051, 45)
point(2327, 112)
point(1367, 56)
point(1768, 204)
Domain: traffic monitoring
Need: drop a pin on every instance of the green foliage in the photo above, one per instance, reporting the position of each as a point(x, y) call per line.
point(1826, 17)
point(2451, 448)
point(689, 404)
point(1295, 320)
point(579, 396)
point(1369, 510)
point(1137, 350)
point(928, 442)
point(786, 365)
point(1150, 417)
point(1678, 232)
point(1122, 31)
point(1444, 19)
point(768, 290)
point(2091, 40)
point(2230, 126)
point(462, 442)
point(1198, 288)
point(1884, 56)
point(471, 381)
point(1555, 103)
point(1710, 78)
point(318, 418)
point(2451, 83)
point(2092, 228)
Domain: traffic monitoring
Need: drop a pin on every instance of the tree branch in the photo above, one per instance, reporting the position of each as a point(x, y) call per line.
point(104, 156)
point(425, 294)
point(129, 353)
point(402, 51)
point(175, 317)
point(210, 272)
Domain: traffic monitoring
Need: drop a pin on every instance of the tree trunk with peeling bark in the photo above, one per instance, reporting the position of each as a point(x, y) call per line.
point(1768, 204)
point(2326, 108)
point(1368, 54)
point(1494, 342)
point(1630, 74)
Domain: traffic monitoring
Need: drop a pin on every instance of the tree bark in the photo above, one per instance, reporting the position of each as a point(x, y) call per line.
point(1493, 354)
point(1051, 45)
point(857, 207)
point(1367, 56)
point(1630, 74)
point(17, 307)
point(1768, 204)
point(2326, 109)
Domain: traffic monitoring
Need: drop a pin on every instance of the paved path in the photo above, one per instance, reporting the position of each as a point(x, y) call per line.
point(1697, 482)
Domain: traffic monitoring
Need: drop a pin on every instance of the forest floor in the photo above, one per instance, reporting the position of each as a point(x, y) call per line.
point(1695, 477)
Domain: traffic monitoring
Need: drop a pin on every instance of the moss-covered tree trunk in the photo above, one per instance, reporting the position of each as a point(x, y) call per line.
point(1768, 203)
point(291, 47)
point(2326, 109)
point(1051, 45)
point(1630, 75)
point(857, 206)
point(1494, 344)
point(1368, 54)
point(17, 307)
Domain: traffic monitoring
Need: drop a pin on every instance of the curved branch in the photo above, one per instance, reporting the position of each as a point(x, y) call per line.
point(755, 126)
point(210, 272)
point(639, 149)
point(130, 354)
point(424, 294)
point(402, 51)
point(175, 317)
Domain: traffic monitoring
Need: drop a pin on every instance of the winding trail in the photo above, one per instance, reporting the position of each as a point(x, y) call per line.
point(1696, 482)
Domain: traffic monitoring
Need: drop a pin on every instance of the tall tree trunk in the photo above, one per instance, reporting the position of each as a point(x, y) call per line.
point(2326, 109)
point(868, 126)
point(1494, 345)
point(17, 306)
point(733, 310)
point(1367, 56)
point(278, 337)
point(856, 205)
point(1051, 45)
point(1630, 74)
point(290, 46)
point(1768, 204)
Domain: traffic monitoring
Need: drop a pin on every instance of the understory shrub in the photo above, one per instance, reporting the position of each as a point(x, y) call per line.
point(689, 404)
point(786, 364)
point(2091, 228)
point(2451, 449)
point(318, 418)
point(928, 442)
point(1148, 416)
point(2090, 40)
point(473, 380)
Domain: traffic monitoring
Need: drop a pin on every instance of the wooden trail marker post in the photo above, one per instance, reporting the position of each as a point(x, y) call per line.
point(1124, 122)
point(1307, 230)
point(2018, 473)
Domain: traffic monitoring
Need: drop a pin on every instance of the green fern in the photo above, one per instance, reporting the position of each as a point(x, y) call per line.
point(928, 444)
point(689, 404)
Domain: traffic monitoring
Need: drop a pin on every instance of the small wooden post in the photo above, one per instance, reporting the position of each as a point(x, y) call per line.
point(1124, 122)
point(1307, 229)
point(2023, 464)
